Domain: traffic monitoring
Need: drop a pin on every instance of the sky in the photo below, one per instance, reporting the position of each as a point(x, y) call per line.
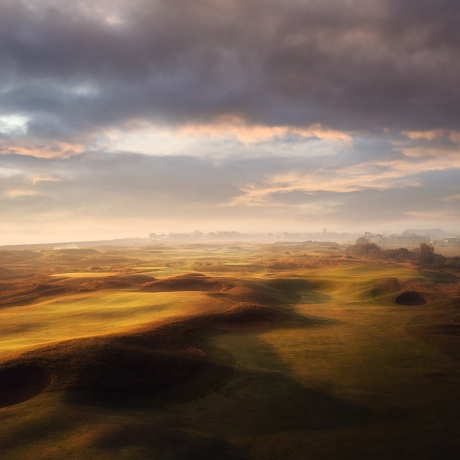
point(119, 118)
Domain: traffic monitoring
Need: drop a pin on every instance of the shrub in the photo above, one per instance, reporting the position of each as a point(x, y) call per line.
point(364, 249)
point(425, 253)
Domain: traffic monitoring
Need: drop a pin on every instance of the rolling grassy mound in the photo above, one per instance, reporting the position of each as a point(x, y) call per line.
point(384, 287)
point(189, 282)
point(248, 294)
point(155, 357)
point(273, 292)
point(59, 285)
point(120, 363)
point(32, 289)
point(91, 314)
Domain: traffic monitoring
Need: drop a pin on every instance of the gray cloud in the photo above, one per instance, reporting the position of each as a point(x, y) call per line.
point(73, 72)
point(107, 187)
point(358, 65)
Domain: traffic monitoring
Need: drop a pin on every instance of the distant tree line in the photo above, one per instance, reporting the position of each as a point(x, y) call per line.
point(423, 255)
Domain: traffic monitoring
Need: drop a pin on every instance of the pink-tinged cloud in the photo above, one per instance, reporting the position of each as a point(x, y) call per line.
point(247, 113)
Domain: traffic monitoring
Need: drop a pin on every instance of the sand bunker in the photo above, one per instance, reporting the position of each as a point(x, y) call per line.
point(411, 298)
point(21, 382)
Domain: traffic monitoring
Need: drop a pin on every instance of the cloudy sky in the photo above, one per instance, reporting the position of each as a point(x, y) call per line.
point(123, 117)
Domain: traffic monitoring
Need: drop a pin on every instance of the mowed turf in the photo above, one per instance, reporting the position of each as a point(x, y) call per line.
point(313, 362)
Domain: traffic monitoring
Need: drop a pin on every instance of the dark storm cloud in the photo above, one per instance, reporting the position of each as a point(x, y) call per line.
point(357, 65)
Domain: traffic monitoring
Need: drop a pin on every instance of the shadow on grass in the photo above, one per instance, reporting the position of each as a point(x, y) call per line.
point(441, 330)
point(161, 442)
point(314, 297)
point(259, 402)
point(21, 382)
point(304, 289)
point(238, 401)
point(205, 379)
point(251, 404)
point(261, 398)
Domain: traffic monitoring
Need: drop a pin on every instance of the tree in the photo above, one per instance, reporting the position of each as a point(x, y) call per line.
point(366, 250)
point(425, 253)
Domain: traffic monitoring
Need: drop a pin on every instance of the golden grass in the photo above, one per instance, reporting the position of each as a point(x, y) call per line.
point(87, 315)
point(313, 359)
point(78, 275)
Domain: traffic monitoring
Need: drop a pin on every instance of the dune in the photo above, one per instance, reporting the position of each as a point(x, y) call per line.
point(273, 293)
point(247, 322)
point(249, 294)
point(290, 284)
point(250, 316)
point(235, 290)
point(31, 290)
point(38, 287)
point(189, 282)
point(385, 286)
point(150, 358)
point(121, 281)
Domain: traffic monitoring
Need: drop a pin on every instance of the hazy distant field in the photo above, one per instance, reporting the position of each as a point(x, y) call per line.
point(226, 352)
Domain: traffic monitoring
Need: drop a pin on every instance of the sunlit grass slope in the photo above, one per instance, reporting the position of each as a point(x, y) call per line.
point(78, 275)
point(355, 284)
point(87, 315)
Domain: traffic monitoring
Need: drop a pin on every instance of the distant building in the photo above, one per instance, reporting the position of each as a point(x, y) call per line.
point(433, 233)
point(451, 241)
point(413, 240)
